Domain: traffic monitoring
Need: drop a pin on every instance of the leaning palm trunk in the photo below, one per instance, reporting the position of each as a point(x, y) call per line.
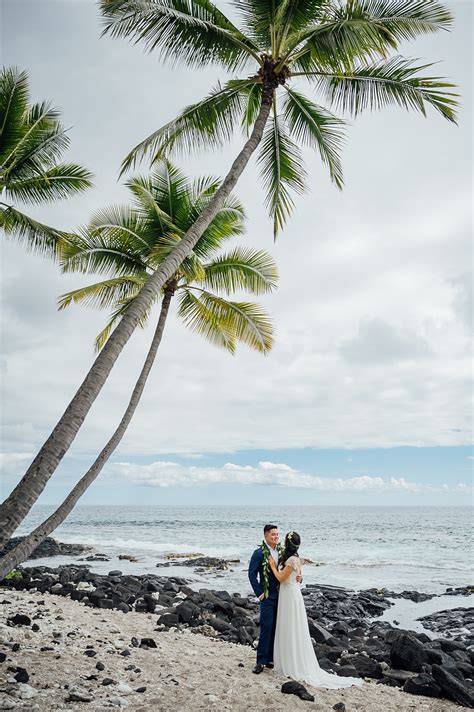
point(15, 508)
point(30, 542)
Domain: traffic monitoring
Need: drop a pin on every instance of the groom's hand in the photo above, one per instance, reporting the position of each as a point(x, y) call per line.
point(261, 597)
point(299, 578)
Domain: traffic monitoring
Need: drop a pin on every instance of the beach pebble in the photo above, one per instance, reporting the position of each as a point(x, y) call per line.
point(19, 619)
point(7, 704)
point(84, 586)
point(26, 691)
point(21, 674)
point(100, 666)
point(119, 702)
point(119, 644)
point(78, 694)
point(124, 689)
point(147, 643)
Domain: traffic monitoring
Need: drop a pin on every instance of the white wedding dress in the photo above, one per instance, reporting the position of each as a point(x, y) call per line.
point(293, 652)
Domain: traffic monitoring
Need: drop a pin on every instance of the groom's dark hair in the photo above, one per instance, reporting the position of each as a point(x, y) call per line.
point(269, 527)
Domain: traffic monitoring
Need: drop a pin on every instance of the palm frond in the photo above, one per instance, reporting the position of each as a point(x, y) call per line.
point(39, 120)
point(41, 152)
point(391, 82)
point(13, 103)
point(112, 243)
point(253, 102)
point(224, 322)
point(59, 182)
point(116, 316)
point(104, 294)
point(197, 316)
point(192, 31)
point(228, 221)
point(282, 171)
point(191, 268)
point(163, 196)
point(209, 122)
point(363, 29)
point(316, 127)
point(242, 269)
point(292, 16)
point(403, 19)
point(33, 235)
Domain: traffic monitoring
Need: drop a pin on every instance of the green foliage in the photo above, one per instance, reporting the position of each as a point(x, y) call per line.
point(32, 141)
point(282, 170)
point(340, 47)
point(13, 575)
point(128, 244)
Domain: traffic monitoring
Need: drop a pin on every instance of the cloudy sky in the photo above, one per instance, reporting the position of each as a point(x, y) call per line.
point(365, 398)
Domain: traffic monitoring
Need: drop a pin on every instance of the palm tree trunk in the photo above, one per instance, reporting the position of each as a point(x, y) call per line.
point(29, 543)
point(17, 505)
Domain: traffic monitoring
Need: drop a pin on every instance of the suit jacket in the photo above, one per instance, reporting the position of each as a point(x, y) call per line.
point(256, 575)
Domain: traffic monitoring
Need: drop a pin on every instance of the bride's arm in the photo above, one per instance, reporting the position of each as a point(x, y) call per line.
point(280, 575)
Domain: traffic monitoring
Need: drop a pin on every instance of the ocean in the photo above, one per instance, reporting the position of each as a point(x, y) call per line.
point(416, 548)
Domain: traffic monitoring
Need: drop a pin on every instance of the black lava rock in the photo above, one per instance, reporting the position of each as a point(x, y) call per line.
point(19, 619)
point(296, 688)
point(148, 643)
point(407, 653)
point(422, 684)
point(453, 688)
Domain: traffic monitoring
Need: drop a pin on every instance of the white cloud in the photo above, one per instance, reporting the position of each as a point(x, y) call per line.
point(9, 459)
point(173, 474)
point(370, 317)
point(378, 342)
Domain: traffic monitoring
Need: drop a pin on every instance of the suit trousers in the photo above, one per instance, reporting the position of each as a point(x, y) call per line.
point(268, 614)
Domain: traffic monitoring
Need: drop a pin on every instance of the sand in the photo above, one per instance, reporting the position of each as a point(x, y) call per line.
point(186, 672)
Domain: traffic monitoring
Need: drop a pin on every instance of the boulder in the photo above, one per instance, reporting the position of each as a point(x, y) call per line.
point(453, 688)
point(365, 666)
point(407, 653)
point(318, 633)
point(422, 684)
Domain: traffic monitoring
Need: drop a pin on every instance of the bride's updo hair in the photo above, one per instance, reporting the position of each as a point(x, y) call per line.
point(292, 544)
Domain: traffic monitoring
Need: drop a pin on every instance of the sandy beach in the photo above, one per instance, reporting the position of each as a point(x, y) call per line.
point(186, 671)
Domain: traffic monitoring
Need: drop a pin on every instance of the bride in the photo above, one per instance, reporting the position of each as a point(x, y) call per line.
point(293, 652)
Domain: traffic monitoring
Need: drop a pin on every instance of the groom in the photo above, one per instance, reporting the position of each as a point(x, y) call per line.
point(265, 587)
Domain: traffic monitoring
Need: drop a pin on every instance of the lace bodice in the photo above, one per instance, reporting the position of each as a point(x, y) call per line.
point(294, 562)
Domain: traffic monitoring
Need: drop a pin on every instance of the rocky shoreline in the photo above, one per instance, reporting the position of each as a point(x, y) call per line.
point(346, 639)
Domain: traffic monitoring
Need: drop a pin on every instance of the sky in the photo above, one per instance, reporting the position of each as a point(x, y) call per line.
point(366, 395)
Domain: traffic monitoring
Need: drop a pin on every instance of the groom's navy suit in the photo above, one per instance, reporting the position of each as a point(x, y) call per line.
point(268, 606)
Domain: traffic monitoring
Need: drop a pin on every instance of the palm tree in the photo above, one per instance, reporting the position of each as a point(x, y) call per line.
point(128, 243)
point(340, 49)
point(32, 140)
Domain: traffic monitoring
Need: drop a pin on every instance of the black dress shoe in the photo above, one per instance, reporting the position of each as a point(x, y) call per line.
point(270, 666)
point(258, 668)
